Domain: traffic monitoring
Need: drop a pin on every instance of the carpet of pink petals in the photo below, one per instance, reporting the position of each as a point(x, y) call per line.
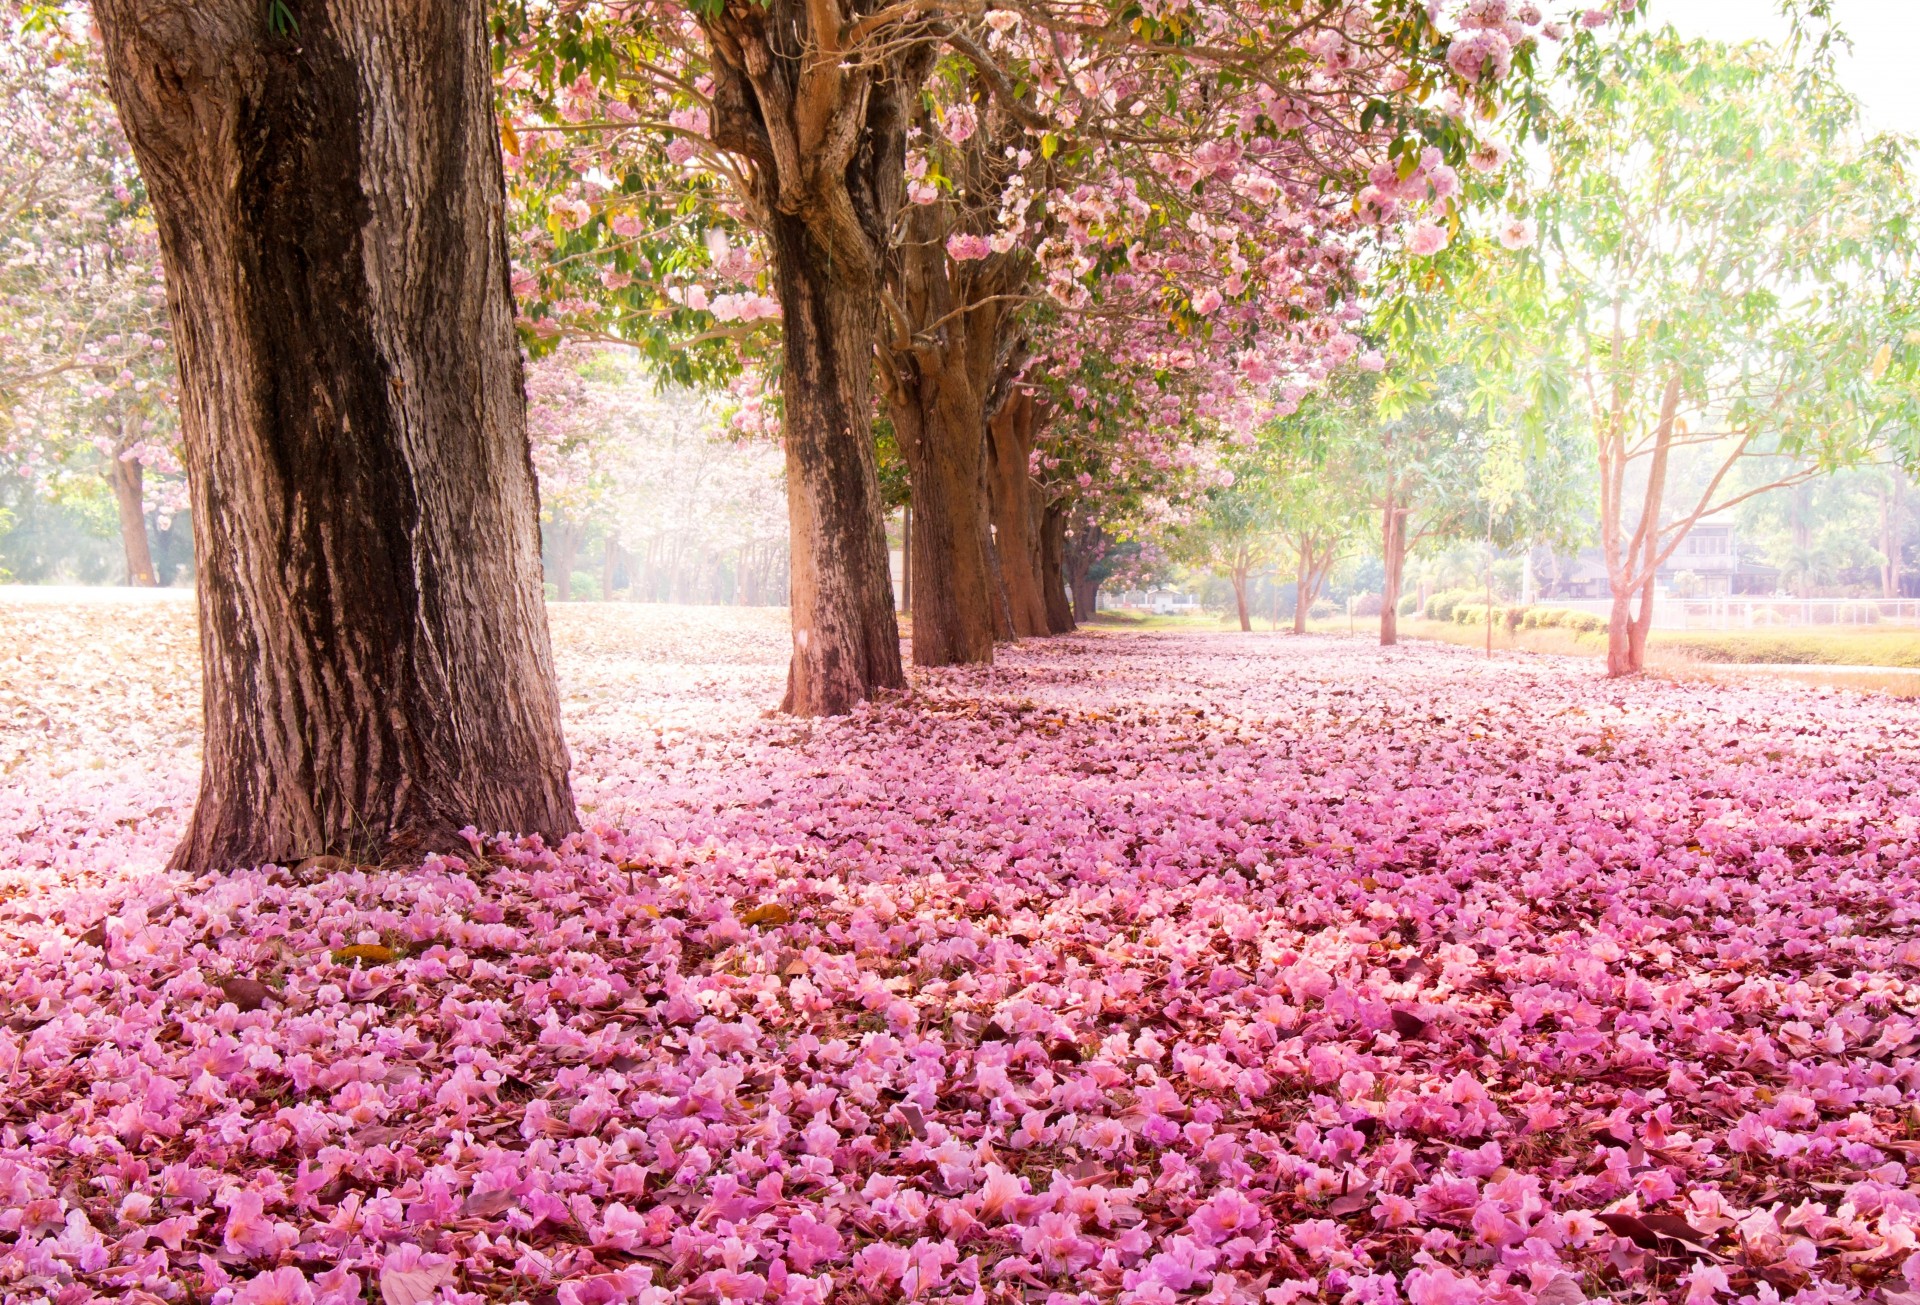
point(1142, 967)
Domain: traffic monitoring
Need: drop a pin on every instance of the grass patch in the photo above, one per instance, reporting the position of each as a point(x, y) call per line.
point(1153, 621)
point(1795, 647)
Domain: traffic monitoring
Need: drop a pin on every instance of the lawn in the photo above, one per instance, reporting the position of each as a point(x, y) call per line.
point(1141, 966)
point(1673, 650)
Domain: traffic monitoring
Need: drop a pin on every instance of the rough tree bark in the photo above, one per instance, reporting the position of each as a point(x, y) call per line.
point(331, 216)
point(128, 479)
point(1011, 498)
point(938, 420)
point(1053, 568)
point(846, 642)
point(1085, 547)
point(937, 364)
point(823, 141)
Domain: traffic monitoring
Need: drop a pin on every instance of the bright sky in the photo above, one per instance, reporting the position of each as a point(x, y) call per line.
point(1885, 33)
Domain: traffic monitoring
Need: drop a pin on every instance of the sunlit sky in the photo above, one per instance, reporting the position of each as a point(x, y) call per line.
point(1881, 70)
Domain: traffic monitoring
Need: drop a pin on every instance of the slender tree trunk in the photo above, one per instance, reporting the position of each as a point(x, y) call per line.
point(1633, 566)
point(846, 642)
point(128, 479)
point(566, 552)
point(1393, 553)
point(609, 563)
point(1238, 575)
point(1302, 582)
point(1010, 445)
point(1802, 523)
point(1890, 524)
point(1053, 568)
point(377, 674)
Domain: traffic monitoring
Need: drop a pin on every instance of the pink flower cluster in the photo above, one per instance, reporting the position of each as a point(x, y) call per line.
point(1137, 967)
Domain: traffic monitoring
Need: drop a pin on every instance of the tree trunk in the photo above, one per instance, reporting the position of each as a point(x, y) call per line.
point(1890, 523)
point(942, 432)
point(1053, 568)
point(1009, 446)
point(1620, 650)
point(1802, 523)
point(566, 551)
point(1302, 582)
point(1239, 577)
point(826, 138)
point(128, 479)
point(609, 563)
point(846, 642)
point(1393, 552)
point(906, 558)
point(1085, 549)
point(377, 673)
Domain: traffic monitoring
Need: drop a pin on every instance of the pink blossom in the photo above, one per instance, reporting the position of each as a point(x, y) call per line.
point(1426, 239)
point(1518, 233)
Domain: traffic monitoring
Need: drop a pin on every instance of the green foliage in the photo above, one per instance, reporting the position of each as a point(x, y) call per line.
point(1440, 606)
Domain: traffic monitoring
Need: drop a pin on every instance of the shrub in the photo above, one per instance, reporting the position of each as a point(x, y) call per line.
point(1440, 606)
point(1409, 604)
point(1586, 622)
point(1367, 605)
point(1322, 610)
point(1515, 615)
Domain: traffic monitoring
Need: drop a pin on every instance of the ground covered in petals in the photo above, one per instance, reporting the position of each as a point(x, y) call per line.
point(1148, 967)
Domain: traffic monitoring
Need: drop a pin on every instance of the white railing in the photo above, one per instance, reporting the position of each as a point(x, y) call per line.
point(1737, 613)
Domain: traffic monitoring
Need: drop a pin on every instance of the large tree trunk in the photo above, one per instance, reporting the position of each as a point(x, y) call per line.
point(1085, 548)
point(331, 215)
point(941, 430)
point(1393, 551)
point(846, 642)
point(937, 368)
point(128, 479)
point(1053, 568)
point(826, 137)
point(1009, 447)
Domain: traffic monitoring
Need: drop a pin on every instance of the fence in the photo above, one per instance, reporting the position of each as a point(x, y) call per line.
point(1764, 613)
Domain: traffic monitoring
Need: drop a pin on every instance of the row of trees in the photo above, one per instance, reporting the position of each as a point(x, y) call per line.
point(1721, 304)
point(1076, 213)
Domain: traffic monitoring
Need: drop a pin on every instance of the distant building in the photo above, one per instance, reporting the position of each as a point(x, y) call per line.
point(1707, 564)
